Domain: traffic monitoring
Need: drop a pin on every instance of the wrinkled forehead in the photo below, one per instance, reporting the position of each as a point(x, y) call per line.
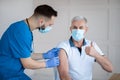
point(78, 23)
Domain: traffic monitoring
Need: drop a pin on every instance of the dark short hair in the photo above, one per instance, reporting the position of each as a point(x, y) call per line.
point(45, 10)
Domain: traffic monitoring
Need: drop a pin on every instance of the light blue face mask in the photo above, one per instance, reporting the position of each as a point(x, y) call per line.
point(77, 34)
point(45, 30)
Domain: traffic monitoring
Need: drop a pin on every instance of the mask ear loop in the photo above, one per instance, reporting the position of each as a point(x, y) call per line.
point(42, 28)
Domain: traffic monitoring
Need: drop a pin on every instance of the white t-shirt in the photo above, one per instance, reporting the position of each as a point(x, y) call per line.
point(80, 65)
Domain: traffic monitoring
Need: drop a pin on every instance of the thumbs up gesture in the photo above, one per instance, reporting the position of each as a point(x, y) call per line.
point(90, 50)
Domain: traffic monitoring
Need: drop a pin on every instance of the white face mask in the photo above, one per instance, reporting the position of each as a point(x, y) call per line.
point(77, 34)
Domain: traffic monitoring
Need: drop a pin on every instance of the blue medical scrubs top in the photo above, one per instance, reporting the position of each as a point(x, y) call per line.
point(15, 44)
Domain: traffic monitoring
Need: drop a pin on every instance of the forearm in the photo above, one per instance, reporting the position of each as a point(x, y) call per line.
point(29, 63)
point(104, 62)
point(37, 56)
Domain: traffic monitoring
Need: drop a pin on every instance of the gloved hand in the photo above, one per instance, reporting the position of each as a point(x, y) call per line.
point(52, 62)
point(51, 53)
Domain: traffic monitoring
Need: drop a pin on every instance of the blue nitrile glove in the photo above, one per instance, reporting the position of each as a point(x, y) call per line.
point(52, 62)
point(51, 53)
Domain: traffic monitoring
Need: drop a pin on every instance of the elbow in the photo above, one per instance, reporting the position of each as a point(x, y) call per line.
point(26, 66)
point(109, 69)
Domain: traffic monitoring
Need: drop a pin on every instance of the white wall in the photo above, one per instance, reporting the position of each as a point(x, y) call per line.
point(12, 10)
point(103, 20)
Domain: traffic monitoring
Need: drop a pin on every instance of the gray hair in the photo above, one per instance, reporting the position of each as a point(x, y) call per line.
point(77, 18)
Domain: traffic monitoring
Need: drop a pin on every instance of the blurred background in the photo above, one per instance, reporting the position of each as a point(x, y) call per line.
point(103, 21)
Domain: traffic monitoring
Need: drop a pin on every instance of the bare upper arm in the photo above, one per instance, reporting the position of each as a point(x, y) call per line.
point(63, 68)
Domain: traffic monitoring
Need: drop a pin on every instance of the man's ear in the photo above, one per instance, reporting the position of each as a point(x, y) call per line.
point(41, 20)
point(86, 29)
point(71, 29)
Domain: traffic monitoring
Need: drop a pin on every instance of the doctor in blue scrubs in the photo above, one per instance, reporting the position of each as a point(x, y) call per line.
point(16, 42)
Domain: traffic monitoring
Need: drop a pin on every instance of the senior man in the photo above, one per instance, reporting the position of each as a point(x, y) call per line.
point(78, 54)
